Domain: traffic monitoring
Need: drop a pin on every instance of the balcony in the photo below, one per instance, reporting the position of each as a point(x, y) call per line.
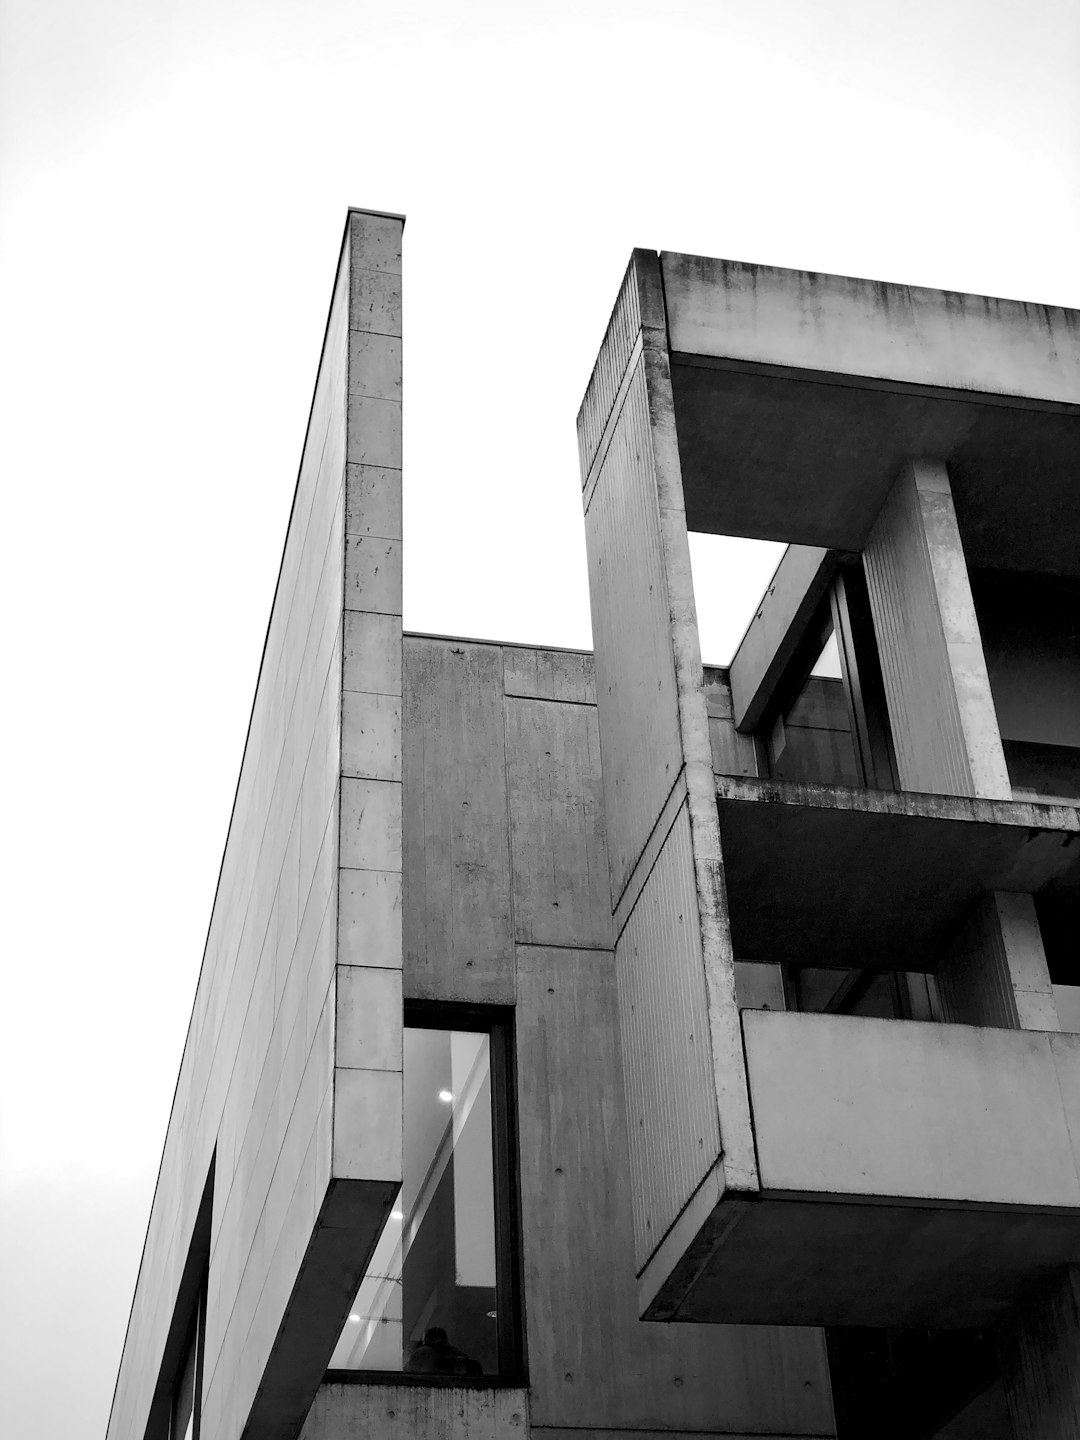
point(912, 1174)
point(824, 874)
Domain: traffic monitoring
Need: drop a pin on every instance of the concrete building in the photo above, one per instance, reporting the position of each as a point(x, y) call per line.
point(596, 1046)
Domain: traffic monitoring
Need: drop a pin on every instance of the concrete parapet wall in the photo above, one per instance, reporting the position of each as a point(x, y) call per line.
point(767, 315)
point(850, 1106)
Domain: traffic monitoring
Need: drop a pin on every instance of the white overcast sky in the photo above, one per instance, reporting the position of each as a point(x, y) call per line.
point(173, 184)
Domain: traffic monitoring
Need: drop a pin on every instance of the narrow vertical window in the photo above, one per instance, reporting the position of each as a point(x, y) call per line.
point(187, 1390)
point(439, 1297)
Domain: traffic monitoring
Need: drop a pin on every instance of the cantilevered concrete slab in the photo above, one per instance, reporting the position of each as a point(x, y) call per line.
point(823, 875)
point(798, 396)
point(912, 1175)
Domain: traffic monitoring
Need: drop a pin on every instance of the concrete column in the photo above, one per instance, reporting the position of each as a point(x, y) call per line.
point(995, 973)
point(1040, 1363)
point(944, 725)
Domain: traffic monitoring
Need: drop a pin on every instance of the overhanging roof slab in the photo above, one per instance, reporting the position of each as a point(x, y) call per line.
point(798, 397)
point(826, 875)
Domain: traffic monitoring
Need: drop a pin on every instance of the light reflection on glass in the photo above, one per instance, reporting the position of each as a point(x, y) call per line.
point(427, 1302)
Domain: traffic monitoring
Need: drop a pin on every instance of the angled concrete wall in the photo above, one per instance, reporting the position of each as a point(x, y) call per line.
point(677, 1001)
point(274, 1022)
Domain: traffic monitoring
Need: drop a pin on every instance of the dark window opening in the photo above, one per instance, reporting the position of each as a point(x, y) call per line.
point(828, 721)
point(880, 994)
point(440, 1299)
point(1030, 630)
point(821, 990)
point(176, 1406)
point(916, 1385)
point(186, 1401)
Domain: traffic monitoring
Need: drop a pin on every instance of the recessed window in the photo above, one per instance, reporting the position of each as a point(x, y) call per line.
point(439, 1299)
point(186, 1401)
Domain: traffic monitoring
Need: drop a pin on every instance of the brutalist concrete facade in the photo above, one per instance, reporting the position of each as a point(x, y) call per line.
point(788, 957)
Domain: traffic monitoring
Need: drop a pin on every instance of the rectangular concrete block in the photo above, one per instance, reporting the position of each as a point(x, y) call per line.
point(369, 1018)
point(373, 575)
point(367, 1124)
point(370, 824)
point(375, 365)
point(373, 501)
point(1036, 1010)
point(372, 660)
point(375, 240)
point(375, 301)
point(369, 918)
point(371, 735)
point(848, 1105)
point(374, 432)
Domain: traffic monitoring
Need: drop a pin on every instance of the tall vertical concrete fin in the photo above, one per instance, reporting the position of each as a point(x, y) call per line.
point(995, 972)
point(360, 1159)
point(1039, 1349)
point(944, 725)
point(681, 1046)
point(256, 1080)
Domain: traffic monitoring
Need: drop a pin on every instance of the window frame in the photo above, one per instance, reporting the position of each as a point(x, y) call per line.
point(497, 1022)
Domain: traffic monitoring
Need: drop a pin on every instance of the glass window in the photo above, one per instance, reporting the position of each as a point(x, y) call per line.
point(437, 1299)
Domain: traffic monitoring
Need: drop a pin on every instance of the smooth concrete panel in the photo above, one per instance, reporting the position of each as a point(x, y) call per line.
point(549, 674)
point(406, 1412)
point(457, 889)
point(369, 917)
point(635, 670)
point(667, 1058)
point(370, 824)
point(375, 365)
point(560, 870)
point(373, 574)
point(368, 1034)
point(373, 501)
point(371, 736)
point(367, 1125)
point(374, 431)
point(850, 1106)
point(375, 301)
point(372, 661)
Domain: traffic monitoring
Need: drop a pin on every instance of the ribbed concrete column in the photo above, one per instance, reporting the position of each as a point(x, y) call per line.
point(944, 726)
point(1040, 1363)
point(996, 972)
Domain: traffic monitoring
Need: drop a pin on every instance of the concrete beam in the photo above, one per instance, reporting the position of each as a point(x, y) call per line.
point(786, 609)
point(941, 709)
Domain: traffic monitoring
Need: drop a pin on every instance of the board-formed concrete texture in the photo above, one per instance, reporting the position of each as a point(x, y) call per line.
point(907, 434)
